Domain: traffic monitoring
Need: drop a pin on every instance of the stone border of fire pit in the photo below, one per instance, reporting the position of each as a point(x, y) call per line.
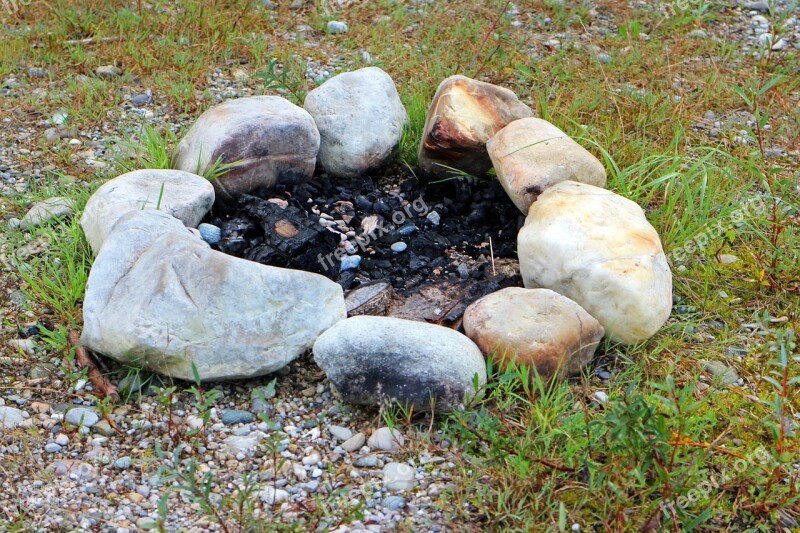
point(158, 296)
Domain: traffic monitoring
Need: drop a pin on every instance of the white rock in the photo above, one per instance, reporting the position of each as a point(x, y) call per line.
point(598, 249)
point(530, 155)
point(11, 417)
point(271, 495)
point(399, 477)
point(600, 396)
point(340, 433)
point(108, 71)
point(386, 439)
point(159, 297)
point(354, 443)
point(82, 416)
point(186, 196)
point(265, 140)
point(371, 359)
point(26, 346)
point(243, 443)
point(537, 328)
point(360, 119)
point(46, 211)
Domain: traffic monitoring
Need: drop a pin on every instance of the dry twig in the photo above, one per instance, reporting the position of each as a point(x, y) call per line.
point(104, 387)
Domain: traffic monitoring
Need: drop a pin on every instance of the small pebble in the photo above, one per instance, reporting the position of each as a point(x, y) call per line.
point(231, 417)
point(600, 396)
point(26, 346)
point(720, 371)
point(108, 71)
point(141, 99)
point(335, 27)
point(52, 447)
point(340, 433)
point(434, 218)
point(368, 461)
point(354, 443)
point(350, 262)
point(399, 247)
point(210, 233)
point(395, 503)
point(407, 230)
point(123, 463)
point(386, 439)
point(81, 416)
point(399, 477)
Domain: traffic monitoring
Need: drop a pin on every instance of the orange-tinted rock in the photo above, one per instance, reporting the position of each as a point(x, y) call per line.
point(537, 328)
point(463, 116)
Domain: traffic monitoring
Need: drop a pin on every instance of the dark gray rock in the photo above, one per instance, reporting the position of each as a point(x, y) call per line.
point(372, 359)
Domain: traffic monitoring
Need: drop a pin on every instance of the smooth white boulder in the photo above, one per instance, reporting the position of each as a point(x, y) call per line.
point(360, 119)
point(598, 249)
point(537, 328)
point(263, 140)
point(530, 155)
point(159, 297)
point(375, 359)
point(186, 196)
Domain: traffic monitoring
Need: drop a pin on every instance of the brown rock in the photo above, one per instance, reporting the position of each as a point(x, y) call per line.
point(530, 155)
point(533, 327)
point(463, 116)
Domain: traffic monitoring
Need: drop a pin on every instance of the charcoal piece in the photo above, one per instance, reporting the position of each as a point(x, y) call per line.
point(291, 237)
point(347, 279)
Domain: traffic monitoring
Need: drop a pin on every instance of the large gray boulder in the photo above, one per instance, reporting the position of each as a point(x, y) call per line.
point(263, 141)
point(360, 119)
point(374, 359)
point(160, 298)
point(186, 196)
point(530, 155)
point(598, 249)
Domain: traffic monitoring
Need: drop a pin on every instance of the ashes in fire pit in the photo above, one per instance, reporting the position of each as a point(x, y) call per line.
point(356, 231)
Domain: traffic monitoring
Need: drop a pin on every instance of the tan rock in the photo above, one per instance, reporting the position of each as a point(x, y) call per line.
point(533, 327)
point(530, 155)
point(463, 116)
point(598, 249)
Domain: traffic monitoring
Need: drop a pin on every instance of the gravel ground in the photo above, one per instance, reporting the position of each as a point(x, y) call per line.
point(104, 478)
